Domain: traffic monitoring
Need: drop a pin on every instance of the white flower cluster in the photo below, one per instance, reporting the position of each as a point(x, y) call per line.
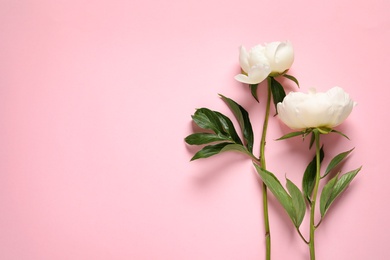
point(298, 110)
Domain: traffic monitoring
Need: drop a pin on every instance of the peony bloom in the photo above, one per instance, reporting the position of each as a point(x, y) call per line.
point(261, 61)
point(313, 110)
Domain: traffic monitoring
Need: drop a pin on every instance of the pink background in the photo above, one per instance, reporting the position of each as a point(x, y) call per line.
point(96, 98)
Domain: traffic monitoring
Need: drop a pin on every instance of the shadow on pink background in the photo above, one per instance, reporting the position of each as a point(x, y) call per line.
point(95, 101)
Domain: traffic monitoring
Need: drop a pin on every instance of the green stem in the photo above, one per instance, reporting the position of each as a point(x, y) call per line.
point(315, 191)
point(263, 165)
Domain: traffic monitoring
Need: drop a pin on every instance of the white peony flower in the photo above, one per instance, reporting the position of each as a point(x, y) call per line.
point(301, 111)
point(261, 61)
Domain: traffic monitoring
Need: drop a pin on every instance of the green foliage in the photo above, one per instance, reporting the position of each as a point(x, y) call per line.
point(312, 139)
point(292, 134)
point(309, 177)
point(340, 133)
point(278, 92)
point(229, 127)
point(211, 150)
point(326, 192)
point(253, 88)
point(207, 119)
point(336, 161)
point(293, 203)
point(334, 188)
point(224, 135)
point(203, 138)
point(291, 78)
point(298, 202)
point(243, 119)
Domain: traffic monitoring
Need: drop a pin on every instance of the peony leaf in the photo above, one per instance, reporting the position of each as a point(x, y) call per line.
point(298, 202)
point(238, 148)
point(253, 88)
point(325, 194)
point(312, 139)
point(224, 132)
point(291, 78)
point(309, 177)
point(278, 92)
point(340, 186)
point(220, 124)
point(229, 127)
point(209, 120)
point(203, 138)
point(279, 192)
point(340, 133)
point(292, 134)
point(336, 161)
point(243, 119)
point(211, 150)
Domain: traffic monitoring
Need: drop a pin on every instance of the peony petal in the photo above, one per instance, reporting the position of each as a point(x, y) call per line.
point(329, 109)
point(244, 79)
point(255, 75)
point(342, 105)
point(286, 116)
point(270, 49)
point(244, 59)
point(257, 56)
point(289, 108)
point(280, 56)
point(259, 73)
point(314, 111)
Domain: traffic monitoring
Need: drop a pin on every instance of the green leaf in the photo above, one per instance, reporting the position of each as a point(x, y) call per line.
point(312, 139)
point(336, 161)
point(325, 194)
point(291, 78)
point(243, 119)
point(279, 192)
point(292, 134)
point(203, 138)
point(253, 88)
point(340, 186)
point(211, 150)
point(278, 92)
point(309, 176)
point(298, 202)
point(209, 120)
point(340, 133)
point(229, 127)
point(217, 122)
point(238, 148)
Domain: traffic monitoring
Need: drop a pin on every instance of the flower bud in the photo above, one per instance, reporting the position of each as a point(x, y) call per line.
point(261, 61)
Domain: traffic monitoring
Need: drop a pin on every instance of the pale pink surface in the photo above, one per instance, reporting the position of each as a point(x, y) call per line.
point(96, 98)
